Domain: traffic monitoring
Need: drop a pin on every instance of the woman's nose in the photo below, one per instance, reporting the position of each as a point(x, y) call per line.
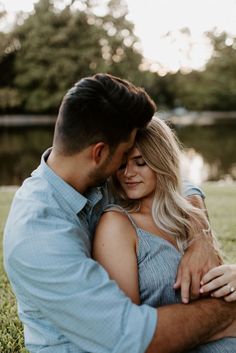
point(129, 171)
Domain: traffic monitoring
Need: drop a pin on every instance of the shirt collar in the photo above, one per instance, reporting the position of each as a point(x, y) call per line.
point(74, 198)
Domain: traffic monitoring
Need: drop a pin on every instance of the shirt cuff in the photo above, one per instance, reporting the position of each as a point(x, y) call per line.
point(151, 325)
point(190, 189)
point(141, 324)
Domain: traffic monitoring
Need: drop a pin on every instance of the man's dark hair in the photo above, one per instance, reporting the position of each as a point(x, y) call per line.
point(100, 108)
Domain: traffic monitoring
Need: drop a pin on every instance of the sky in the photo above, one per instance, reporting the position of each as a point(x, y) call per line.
point(153, 19)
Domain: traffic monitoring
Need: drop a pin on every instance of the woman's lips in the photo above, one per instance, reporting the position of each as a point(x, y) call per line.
point(132, 184)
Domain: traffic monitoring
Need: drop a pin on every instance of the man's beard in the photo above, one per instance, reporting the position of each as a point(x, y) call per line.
point(99, 176)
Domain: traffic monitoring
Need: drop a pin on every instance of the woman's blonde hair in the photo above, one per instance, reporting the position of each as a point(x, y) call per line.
point(171, 211)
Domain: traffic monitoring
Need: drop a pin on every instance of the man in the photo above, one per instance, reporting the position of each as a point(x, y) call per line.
point(66, 300)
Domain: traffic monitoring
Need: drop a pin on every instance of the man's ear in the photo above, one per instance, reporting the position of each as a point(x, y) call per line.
point(100, 152)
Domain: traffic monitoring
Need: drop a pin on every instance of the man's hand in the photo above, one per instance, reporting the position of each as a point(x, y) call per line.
point(200, 257)
point(196, 262)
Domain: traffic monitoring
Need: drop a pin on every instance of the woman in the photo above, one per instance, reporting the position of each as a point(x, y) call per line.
point(150, 226)
point(221, 282)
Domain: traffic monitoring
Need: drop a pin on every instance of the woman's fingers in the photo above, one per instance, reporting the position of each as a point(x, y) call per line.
point(214, 284)
point(213, 273)
point(231, 297)
point(221, 282)
point(226, 290)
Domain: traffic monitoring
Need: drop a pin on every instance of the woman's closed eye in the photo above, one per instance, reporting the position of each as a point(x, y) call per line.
point(140, 162)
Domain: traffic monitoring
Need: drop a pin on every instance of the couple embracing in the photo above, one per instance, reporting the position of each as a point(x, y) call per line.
point(102, 265)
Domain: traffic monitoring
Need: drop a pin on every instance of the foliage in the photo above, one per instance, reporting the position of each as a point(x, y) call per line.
point(9, 95)
point(215, 87)
point(51, 48)
point(59, 47)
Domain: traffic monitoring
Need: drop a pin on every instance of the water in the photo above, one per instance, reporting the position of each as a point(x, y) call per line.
point(217, 146)
point(21, 149)
point(20, 152)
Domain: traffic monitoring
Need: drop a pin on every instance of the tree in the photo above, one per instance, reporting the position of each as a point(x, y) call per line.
point(215, 87)
point(58, 47)
point(9, 96)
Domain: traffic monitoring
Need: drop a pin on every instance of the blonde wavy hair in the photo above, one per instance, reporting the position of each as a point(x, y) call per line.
point(171, 211)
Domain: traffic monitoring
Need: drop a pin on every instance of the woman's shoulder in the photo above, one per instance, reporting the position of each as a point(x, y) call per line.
point(116, 215)
point(115, 222)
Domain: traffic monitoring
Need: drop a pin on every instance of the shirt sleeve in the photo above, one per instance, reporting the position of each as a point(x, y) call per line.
point(75, 294)
point(190, 189)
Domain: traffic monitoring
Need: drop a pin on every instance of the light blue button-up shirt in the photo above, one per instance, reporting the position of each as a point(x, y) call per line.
point(66, 301)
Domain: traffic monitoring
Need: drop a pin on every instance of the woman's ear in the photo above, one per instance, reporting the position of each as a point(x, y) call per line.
point(100, 152)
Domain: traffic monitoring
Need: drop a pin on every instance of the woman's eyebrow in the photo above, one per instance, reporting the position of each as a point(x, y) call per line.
point(137, 157)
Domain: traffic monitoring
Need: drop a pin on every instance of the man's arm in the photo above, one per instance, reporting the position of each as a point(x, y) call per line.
point(201, 256)
point(181, 327)
point(51, 270)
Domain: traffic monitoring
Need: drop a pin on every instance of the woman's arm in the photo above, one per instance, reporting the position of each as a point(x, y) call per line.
point(114, 247)
point(221, 282)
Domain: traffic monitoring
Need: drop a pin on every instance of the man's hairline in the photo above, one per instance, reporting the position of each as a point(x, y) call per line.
point(112, 148)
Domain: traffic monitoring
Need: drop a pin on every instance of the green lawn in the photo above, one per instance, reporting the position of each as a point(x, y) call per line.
point(221, 204)
point(11, 338)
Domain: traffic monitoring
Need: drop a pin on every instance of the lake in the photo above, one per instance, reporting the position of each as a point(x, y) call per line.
point(214, 146)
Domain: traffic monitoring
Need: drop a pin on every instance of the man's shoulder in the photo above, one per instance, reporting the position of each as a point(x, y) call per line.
point(37, 193)
point(35, 206)
point(37, 223)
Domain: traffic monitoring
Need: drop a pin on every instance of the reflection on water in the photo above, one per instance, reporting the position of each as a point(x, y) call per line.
point(20, 152)
point(210, 149)
point(217, 146)
point(193, 167)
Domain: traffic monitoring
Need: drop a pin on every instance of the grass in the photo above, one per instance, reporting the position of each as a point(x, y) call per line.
point(221, 204)
point(11, 337)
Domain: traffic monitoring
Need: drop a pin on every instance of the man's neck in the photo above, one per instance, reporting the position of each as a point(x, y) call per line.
point(72, 169)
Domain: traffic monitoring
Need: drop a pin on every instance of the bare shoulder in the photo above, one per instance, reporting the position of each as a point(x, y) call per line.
point(115, 248)
point(117, 225)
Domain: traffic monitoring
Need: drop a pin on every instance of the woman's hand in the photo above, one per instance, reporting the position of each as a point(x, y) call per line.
point(221, 282)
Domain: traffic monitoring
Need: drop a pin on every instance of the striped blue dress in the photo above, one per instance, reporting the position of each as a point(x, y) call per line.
point(158, 261)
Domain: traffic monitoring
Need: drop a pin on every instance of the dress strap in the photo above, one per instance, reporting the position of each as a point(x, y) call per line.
point(118, 208)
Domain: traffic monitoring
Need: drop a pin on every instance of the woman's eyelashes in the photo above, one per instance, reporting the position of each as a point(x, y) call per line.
point(140, 163)
point(137, 163)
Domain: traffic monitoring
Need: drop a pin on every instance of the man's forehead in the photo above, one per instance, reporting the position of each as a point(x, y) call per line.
point(132, 139)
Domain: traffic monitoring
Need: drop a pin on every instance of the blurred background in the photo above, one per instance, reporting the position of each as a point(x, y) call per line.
point(182, 52)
